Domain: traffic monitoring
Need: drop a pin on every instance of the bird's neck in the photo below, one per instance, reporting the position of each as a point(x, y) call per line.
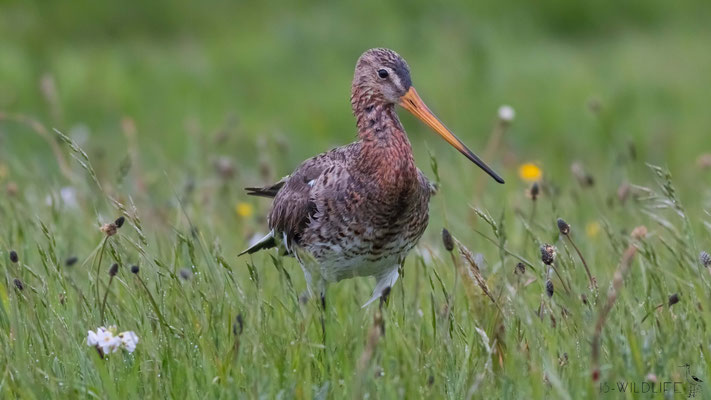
point(386, 153)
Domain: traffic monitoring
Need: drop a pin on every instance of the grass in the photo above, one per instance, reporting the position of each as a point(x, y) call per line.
point(146, 117)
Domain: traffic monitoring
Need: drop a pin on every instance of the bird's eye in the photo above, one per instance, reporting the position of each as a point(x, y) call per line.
point(383, 73)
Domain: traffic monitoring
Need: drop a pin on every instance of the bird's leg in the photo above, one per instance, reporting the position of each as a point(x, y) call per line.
point(323, 314)
point(384, 297)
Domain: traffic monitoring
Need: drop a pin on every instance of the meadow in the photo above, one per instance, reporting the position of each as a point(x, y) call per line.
point(127, 132)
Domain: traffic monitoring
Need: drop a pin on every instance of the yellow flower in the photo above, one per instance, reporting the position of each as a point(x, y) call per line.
point(530, 172)
point(244, 210)
point(592, 229)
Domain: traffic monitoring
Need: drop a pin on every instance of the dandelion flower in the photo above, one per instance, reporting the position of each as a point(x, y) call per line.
point(530, 172)
point(244, 210)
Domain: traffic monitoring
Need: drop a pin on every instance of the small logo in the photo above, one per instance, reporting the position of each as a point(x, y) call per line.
point(689, 387)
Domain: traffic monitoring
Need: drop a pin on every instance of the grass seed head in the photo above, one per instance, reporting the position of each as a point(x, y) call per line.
point(673, 299)
point(548, 253)
point(563, 226)
point(534, 191)
point(639, 232)
point(134, 269)
point(623, 192)
point(113, 270)
point(238, 325)
point(549, 288)
point(582, 176)
point(13, 256)
point(186, 273)
point(447, 240)
point(109, 229)
point(705, 259)
point(18, 284)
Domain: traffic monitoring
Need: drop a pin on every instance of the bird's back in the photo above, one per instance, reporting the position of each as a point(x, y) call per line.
point(347, 218)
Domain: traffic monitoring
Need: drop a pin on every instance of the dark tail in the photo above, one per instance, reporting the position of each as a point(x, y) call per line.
point(267, 191)
point(267, 242)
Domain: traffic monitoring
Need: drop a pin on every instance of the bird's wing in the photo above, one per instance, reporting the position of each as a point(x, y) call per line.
point(294, 203)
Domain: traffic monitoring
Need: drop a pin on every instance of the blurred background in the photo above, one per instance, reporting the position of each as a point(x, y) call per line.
point(240, 92)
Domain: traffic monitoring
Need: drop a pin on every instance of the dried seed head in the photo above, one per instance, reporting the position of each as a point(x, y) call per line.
point(11, 189)
point(563, 360)
point(520, 268)
point(225, 168)
point(623, 192)
point(134, 269)
point(113, 270)
point(186, 273)
point(534, 191)
point(704, 161)
point(583, 178)
point(563, 226)
point(109, 229)
point(705, 259)
point(13, 256)
point(238, 325)
point(119, 221)
point(71, 261)
point(549, 288)
point(447, 240)
point(673, 299)
point(548, 253)
point(639, 232)
point(18, 284)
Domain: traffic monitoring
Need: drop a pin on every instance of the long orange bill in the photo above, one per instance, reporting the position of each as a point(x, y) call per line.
point(412, 102)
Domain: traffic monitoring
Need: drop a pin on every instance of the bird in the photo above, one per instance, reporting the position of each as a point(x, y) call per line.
point(358, 210)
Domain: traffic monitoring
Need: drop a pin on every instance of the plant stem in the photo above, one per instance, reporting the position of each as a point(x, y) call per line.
point(103, 304)
point(587, 270)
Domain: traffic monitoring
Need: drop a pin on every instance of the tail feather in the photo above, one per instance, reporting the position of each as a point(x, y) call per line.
point(267, 191)
point(267, 242)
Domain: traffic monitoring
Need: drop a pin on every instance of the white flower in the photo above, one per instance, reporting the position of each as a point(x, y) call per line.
point(506, 113)
point(104, 340)
point(92, 339)
point(107, 341)
point(129, 339)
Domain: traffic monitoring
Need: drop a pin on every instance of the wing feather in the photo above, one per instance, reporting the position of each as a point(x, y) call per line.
point(294, 203)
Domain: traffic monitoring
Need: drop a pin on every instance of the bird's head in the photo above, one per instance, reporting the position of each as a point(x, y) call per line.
point(383, 77)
